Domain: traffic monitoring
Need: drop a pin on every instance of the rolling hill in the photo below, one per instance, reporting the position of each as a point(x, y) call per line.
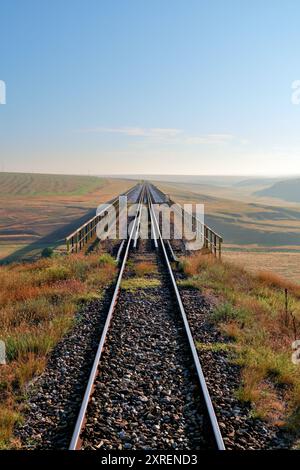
point(39, 210)
point(36, 184)
point(288, 190)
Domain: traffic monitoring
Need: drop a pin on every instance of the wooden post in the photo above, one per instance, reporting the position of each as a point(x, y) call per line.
point(77, 239)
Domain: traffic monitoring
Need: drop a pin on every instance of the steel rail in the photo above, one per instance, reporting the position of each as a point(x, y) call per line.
point(209, 406)
point(153, 230)
point(118, 257)
point(139, 212)
point(75, 442)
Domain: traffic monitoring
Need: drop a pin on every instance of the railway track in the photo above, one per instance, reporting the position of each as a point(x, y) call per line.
point(146, 389)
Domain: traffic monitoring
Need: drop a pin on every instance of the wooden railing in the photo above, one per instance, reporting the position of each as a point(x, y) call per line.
point(212, 241)
point(76, 241)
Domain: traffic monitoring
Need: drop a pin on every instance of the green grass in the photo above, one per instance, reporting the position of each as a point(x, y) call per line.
point(227, 312)
point(106, 259)
point(214, 347)
point(190, 283)
point(137, 283)
point(88, 297)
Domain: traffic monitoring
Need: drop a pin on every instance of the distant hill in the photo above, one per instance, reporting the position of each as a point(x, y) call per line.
point(194, 179)
point(288, 190)
point(256, 182)
point(33, 184)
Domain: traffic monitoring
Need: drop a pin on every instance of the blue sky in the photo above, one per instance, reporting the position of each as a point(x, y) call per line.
point(160, 86)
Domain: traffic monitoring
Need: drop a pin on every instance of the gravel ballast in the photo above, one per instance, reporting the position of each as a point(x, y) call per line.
point(54, 398)
point(146, 394)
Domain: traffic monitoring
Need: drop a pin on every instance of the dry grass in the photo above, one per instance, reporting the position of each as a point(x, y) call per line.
point(257, 231)
point(145, 267)
point(41, 210)
point(274, 280)
point(37, 306)
point(268, 404)
point(286, 264)
point(251, 312)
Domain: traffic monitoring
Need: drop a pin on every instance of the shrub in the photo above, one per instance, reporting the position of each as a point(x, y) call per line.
point(226, 312)
point(47, 252)
point(106, 259)
point(56, 273)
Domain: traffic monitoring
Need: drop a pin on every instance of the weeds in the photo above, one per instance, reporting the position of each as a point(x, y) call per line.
point(214, 347)
point(260, 314)
point(38, 302)
point(8, 419)
point(144, 268)
point(136, 283)
point(106, 259)
point(226, 312)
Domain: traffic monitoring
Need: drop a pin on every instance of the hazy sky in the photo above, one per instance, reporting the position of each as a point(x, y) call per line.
point(150, 86)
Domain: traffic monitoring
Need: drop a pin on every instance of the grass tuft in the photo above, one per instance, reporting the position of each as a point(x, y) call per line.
point(214, 347)
point(106, 259)
point(133, 284)
point(227, 312)
point(144, 268)
point(8, 419)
